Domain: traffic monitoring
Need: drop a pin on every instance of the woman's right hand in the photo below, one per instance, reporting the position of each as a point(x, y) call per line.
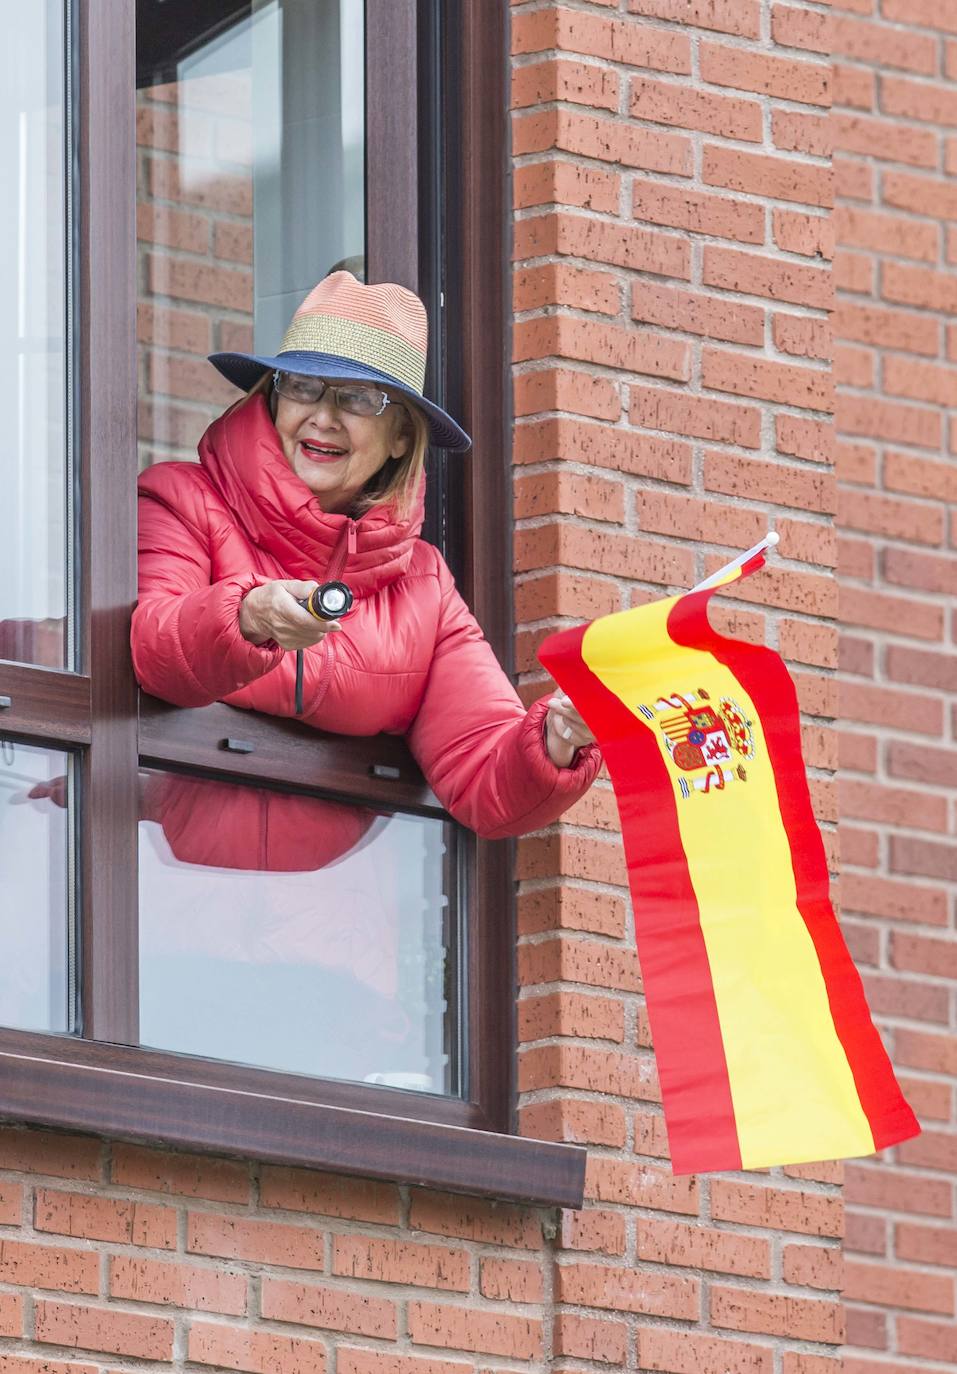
point(271, 612)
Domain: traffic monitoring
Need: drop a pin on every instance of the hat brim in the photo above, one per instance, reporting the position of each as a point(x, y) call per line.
point(245, 369)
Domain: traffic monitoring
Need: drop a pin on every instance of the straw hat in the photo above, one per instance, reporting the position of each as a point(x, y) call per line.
point(344, 329)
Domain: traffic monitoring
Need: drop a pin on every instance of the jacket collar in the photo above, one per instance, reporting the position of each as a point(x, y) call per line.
point(243, 457)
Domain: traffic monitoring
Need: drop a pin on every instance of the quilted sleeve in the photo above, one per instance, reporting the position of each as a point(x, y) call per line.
point(187, 647)
point(483, 754)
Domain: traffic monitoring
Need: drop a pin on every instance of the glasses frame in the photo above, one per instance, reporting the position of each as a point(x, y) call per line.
point(334, 389)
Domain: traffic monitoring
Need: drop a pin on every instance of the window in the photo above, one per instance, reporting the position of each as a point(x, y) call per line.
point(184, 154)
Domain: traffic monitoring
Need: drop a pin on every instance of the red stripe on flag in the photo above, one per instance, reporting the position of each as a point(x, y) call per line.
point(767, 682)
point(677, 976)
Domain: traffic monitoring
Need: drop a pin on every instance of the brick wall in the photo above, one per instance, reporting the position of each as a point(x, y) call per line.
point(194, 206)
point(673, 393)
point(896, 128)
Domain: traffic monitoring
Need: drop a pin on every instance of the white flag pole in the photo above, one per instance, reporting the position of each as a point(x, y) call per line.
point(768, 542)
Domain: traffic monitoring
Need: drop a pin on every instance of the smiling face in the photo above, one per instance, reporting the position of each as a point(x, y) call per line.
point(336, 453)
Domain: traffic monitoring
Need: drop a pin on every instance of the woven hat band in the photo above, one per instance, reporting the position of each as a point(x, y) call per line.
point(362, 343)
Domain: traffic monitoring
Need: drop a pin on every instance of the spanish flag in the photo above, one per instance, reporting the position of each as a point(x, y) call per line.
point(765, 1046)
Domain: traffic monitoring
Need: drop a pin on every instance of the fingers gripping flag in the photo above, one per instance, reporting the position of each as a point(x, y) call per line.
point(765, 1047)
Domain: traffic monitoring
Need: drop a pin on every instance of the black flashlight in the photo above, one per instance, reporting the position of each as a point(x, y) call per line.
point(329, 601)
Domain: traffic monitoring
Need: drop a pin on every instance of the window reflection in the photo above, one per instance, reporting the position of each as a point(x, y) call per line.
point(36, 931)
point(250, 187)
point(296, 933)
point(34, 243)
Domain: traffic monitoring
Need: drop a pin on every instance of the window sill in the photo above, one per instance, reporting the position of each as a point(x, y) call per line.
point(116, 1090)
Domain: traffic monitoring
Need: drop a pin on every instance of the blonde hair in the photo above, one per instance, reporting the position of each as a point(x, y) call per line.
point(398, 480)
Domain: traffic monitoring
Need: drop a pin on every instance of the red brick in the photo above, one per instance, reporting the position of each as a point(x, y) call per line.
point(923, 858)
point(254, 1352)
point(558, 283)
point(593, 1230)
point(610, 345)
point(684, 517)
point(19, 1364)
point(591, 962)
point(664, 102)
point(926, 13)
point(935, 1245)
point(640, 1185)
point(689, 1352)
point(178, 1285)
point(803, 336)
point(606, 140)
point(755, 275)
point(400, 1261)
point(580, 1121)
point(589, 1070)
point(333, 1309)
point(894, 901)
point(803, 438)
point(591, 1338)
point(569, 493)
point(697, 211)
point(598, 35)
point(886, 328)
point(880, 232)
point(923, 764)
point(859, 40)
point(898, 143)
point(461, 1328)
point(742, 374)
point(877, 610)
point(794, 27)
point(778, 178)
point(898, 1287)
point(808, 642)
point(510, 1280)
point(765, 74)
point(11, 1202)
point(11, 1315)
point(474, 1219)
point(932, 1340)
point(562, 79)
point(696, 313)
point(889, 420)
point(233, 242)
point(645, 455)
point(48, 1266)
point(628, 1290)
point(355, 1361)
point(812, 235)
point(41, 1152)
point(776, 483)
point(918, 286)
point(895, 806)
point(570, 1014)
point(773, 1314)
point(814, 1214)
point(557, 181)
point(104, 1329)
point(812, 1266)
point(921, 1049)
point(854, 86)
point(695, 416)
point(600, 241)
point(185, 1175)
point(702, 1247)
point(260, 1242)
point(562, 388)
point(102, 1218)
point(741, 17)
point(332, 1195)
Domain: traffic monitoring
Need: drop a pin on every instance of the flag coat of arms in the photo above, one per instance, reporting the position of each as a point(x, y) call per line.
point(765, 1046)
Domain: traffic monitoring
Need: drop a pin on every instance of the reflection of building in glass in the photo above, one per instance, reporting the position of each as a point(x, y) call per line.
point(250, 187)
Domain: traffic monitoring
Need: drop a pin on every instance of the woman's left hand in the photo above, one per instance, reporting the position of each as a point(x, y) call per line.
point(565, 731)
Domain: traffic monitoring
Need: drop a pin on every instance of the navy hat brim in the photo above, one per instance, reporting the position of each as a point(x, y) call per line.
point(245, 369)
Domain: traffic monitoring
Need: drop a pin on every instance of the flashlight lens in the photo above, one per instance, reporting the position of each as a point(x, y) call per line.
point(333, 600)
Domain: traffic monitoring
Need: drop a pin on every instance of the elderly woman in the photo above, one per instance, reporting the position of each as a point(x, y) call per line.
point(317, 474)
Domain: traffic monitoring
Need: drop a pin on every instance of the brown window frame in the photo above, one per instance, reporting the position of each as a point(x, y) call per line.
point(100, 1080)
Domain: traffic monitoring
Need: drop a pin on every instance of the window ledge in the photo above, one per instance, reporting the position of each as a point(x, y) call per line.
point(117, 1090)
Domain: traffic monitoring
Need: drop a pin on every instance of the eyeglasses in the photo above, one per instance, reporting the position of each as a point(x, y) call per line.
point(306, 390)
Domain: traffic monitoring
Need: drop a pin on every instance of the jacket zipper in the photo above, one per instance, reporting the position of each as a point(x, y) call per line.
point(333, 572)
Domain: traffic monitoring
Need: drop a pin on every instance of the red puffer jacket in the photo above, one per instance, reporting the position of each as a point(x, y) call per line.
point(410, 658)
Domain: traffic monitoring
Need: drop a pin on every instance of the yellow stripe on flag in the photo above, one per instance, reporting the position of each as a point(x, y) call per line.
point(792, 1089)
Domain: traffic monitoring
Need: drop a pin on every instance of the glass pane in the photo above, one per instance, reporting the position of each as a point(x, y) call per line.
point(297, 933)
point(36, 926)
point(251, 146)
point(34, 458)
